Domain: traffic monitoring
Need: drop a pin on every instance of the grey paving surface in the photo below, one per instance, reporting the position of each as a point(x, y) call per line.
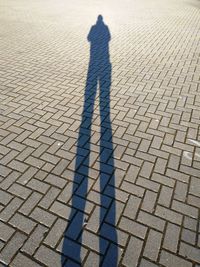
point(72, 193)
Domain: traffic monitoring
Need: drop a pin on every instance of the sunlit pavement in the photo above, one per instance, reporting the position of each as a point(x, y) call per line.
point(135, 195)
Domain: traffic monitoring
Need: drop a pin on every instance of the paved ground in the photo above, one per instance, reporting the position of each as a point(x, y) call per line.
point(135, 195)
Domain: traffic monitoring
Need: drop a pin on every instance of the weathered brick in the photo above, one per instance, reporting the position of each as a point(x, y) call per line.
point(190, 252)
point(19, 190)
point(132, 227)
point(34, 239)
point(132, 255)
point(171, 237)
point(185, 209)
point(167, 259)
point(30, 203)
point(10, 209)
point(5, 231)
point(151, 221)
point(22, 223)
point(48, 257)
point(153, 245)
point(43, 216)
point(12, 247)
point(22, 260)
point(56, 232)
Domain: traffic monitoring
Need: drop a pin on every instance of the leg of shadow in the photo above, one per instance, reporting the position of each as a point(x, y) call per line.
point(99, 73)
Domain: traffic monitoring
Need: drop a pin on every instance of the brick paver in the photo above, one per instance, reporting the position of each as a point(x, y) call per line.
point(72, 193)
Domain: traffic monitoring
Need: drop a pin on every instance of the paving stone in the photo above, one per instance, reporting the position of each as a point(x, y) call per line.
point(185, 209)
point(23, 179)
point(188, 236)
point(165, 196)
point(55, 180)
point(5, 231)
point(110, 258)
point(171, 238)
point(132, 207)
point(9, 180)
point(72, 250)
point(61, 210)
point(92, 260)
point(55, 233)
point(30, 203)
point(132, 227)
point(5, 197)
point(18, 166)
point(4, 171)
point(194, 185)
point(132, 255)
point(169, 215)
point(149, 201)
point(10, 209)
point(168, 259)
point(132, 189)
point(42, 216)
point(190, 252)
point(22, 260)
point(48, 257)
point(19, 191)
point(34, 239)
point(49, 198)
point(145, 263)
point(151, 220)
point(12, 247)
point(22, 223)
point(37, 185)
point(115, 235)
point(92, 241)
point(153, 245)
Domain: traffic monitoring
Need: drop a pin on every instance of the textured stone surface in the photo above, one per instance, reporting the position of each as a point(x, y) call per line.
point(136, 195)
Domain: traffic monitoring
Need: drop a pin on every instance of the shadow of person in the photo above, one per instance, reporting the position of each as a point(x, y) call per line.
point(98, 77)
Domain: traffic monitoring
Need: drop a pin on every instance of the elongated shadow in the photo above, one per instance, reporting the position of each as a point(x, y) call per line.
point(98, 78)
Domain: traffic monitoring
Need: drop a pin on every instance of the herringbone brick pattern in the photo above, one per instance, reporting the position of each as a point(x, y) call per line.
point(155, 118)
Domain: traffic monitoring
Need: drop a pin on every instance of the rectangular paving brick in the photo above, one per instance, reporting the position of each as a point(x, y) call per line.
point(132, 255)
point(169, 215)
point(190, 252)
point(34, 239)
point(151, 220)
point(132, 189)
point(71, 249)
point(56, 233)
point(22, 260)
point(55, 180)
point(39, 186)
point(30, 203)
point(171, 237)
point(22, 223)
point(18, 166)
point(132, 227)
point(5, 231)
point(153, 245)
point(48, 257)
point(9, 180)
point(19, 190)
point(168, 260)
point(149, 201)
point(132, 207)
point(12, 247)
point(185, 209)
point(43, 216)
point(5, 197)
point(10, 209)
